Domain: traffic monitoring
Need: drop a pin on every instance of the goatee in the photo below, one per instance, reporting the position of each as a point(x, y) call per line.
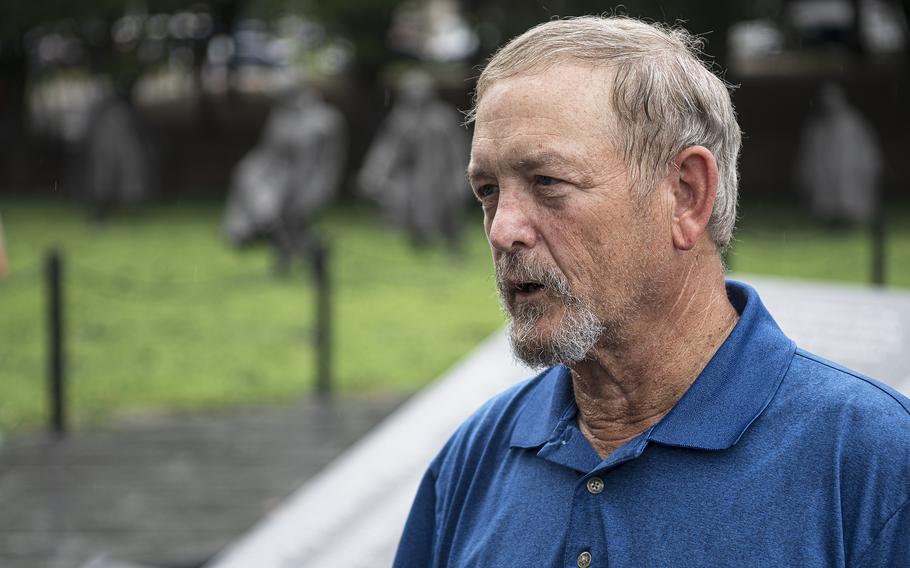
point(572, 338)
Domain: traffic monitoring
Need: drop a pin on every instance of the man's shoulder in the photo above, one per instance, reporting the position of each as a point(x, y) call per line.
point(491, 426)
point(856, 430)
point(509, 404)
point(837, 408)
point(828, 385)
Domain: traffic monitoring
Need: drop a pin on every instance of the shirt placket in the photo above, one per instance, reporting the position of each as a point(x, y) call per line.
point(588, 534)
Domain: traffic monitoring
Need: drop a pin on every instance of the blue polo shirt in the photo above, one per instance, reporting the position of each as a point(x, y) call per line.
point(773, 457)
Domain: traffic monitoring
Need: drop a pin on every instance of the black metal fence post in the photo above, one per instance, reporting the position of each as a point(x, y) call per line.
point(323, 320)
point(56, 363)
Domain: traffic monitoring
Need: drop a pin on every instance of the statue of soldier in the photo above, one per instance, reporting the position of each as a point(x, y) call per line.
point(839, 166)
point(292, 173)
point(415, 166)
point(117, 159)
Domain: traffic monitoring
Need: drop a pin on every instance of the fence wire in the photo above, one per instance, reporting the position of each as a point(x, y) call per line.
point(345, 262)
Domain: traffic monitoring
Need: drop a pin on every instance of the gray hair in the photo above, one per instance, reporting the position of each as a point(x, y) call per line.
point(664, 97)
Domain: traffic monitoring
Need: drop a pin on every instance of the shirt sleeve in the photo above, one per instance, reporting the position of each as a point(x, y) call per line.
point(891, 546)
point(416, 548)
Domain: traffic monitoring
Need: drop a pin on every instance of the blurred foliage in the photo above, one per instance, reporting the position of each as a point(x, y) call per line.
point(354, 16)
point(363, 22)
point(18, 16)
point(708, 19)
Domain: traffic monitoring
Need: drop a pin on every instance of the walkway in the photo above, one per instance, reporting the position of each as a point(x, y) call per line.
point(165, 490)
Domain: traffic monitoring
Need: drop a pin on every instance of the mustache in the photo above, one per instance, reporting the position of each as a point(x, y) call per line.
point(513, 267)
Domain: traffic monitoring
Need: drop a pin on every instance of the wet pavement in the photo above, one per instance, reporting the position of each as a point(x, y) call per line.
point(165, 490)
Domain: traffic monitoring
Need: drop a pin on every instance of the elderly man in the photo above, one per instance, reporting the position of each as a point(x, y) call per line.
point(676, 424)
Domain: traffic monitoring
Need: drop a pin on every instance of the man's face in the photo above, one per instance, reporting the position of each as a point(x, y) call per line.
point(576, 254)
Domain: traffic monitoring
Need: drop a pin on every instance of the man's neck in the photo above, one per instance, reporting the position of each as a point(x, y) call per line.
point(621, 391)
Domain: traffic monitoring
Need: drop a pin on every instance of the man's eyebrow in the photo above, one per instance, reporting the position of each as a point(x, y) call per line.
point(559, 164)
point(476, 170)
point(548, 162)
point(541, 159)
point(532, 161)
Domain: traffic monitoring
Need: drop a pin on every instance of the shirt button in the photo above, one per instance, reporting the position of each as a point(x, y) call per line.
point(584, 559)
point(595, 485)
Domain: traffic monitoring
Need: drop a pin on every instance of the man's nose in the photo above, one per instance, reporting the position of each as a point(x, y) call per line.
point(511, 227)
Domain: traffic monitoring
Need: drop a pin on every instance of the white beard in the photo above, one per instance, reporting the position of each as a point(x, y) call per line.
point(577, 332)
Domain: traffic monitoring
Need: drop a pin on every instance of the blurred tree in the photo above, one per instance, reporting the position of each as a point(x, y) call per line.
point(91, 22)
point(364, 23)
point(504, 19)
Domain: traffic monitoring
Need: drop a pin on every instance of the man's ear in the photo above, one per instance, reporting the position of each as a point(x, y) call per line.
point(693, 190)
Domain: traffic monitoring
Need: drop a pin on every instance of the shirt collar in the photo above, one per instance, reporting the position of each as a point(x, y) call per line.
point(550, 406)
point(729, 394)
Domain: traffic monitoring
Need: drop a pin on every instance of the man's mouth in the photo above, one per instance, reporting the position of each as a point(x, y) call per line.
point(528, 288)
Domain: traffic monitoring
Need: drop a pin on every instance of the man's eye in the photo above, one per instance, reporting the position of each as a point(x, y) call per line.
point(547, 180)
point(485, 191)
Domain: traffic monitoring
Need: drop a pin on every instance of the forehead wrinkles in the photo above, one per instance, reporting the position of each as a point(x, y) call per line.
point(583, 161)
point(561, 111)
point(530, 144)
point(569, 92)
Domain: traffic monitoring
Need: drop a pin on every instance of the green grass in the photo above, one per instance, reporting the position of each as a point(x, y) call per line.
point(162, 314)
point(778, 240)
